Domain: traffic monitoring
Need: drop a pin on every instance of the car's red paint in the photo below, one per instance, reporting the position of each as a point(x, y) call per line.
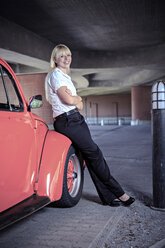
point(32, 157)
point(51, 172)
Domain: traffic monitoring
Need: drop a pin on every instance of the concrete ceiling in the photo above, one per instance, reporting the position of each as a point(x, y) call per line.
point(116, 44)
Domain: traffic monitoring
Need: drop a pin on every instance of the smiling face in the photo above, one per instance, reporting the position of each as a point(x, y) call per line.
point(63, 59)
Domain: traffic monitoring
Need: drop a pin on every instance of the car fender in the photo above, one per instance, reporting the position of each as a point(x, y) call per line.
point(51, 170)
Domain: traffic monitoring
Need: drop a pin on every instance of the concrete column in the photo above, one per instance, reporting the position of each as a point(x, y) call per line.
point(141, 104)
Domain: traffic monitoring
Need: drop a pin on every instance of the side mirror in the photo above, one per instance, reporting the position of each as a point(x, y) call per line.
point(35, 102)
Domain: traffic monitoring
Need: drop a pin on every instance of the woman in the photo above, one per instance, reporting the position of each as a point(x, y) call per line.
point(61, 93)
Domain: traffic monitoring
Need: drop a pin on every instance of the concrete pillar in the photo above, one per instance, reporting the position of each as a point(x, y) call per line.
point(140, 104)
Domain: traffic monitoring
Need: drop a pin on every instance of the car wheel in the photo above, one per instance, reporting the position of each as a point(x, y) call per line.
point(73, 180)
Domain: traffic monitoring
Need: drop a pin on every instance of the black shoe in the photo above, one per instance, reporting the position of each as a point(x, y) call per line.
point(128, 202)
point(114, 203)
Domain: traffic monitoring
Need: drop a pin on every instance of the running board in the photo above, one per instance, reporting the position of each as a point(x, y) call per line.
point(22, 210)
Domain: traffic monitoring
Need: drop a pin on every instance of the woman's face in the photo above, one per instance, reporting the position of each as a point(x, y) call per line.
point(63, 61)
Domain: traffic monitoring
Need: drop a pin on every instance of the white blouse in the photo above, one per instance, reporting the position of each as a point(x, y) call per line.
point(55, 80)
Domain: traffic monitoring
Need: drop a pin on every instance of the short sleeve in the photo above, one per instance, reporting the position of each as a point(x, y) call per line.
point(57, 81)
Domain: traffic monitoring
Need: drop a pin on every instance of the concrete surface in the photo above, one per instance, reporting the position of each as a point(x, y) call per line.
point(128, 151)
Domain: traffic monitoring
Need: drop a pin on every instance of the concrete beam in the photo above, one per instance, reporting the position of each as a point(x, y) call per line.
point(19, 58)
point(22, 41)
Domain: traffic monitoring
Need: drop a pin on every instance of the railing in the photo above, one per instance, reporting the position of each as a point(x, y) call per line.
point(109, 121)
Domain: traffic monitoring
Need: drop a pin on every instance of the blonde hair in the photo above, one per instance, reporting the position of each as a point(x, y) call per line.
point(56, 53)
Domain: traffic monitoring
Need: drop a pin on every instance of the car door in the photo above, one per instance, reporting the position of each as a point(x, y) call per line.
point(17, 144)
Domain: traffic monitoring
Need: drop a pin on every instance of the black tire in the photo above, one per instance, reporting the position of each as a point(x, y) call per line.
point(73, 180)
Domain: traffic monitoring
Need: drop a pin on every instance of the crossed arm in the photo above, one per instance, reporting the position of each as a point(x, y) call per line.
point(66, 97)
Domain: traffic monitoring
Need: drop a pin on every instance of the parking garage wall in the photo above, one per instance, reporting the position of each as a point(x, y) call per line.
point(34, 84)
point(108, 109)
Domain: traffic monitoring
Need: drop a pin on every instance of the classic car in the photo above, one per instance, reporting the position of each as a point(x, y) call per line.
point(38, 166)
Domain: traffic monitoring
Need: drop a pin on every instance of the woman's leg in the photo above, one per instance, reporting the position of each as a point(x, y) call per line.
point(75, 128)
point(104, 193)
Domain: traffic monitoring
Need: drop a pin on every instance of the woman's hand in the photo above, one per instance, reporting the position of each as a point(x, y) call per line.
point(80, 104)
point(65, 95)
point(68, 92)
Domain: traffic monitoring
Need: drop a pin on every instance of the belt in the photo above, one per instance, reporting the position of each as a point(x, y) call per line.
point(66, 114)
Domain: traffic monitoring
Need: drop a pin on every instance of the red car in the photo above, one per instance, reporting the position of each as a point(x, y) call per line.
point(37, 166)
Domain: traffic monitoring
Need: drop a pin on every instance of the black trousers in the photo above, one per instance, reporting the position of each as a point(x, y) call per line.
point(76, 129)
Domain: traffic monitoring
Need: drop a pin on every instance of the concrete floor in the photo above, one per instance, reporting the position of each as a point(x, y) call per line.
point(128, 151)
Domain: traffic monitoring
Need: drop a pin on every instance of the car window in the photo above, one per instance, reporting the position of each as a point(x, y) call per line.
point(10, 99)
